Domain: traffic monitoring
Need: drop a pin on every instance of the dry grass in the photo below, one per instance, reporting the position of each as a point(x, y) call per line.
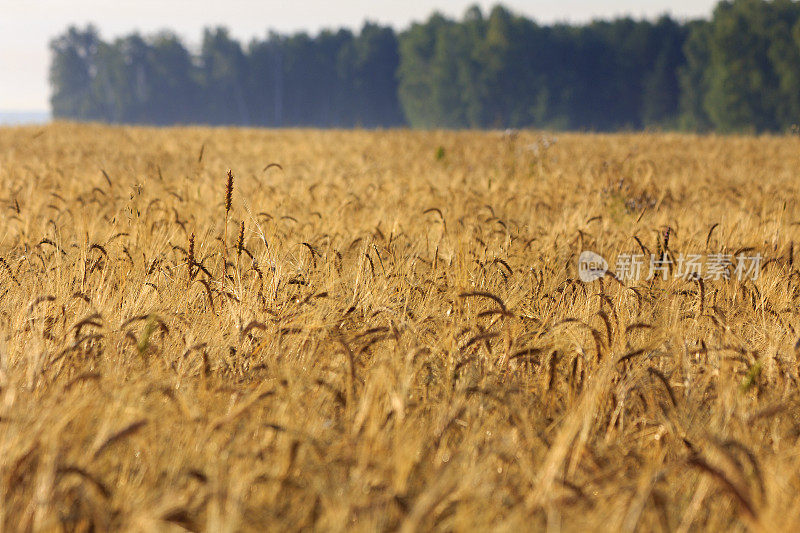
point(400, 343)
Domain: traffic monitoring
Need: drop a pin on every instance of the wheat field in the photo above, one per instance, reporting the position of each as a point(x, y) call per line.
point(387, 331)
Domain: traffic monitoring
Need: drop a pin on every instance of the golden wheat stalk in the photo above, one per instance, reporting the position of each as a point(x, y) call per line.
point(228, 202)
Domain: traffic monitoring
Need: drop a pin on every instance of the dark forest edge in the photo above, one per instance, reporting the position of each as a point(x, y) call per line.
point(737, 72)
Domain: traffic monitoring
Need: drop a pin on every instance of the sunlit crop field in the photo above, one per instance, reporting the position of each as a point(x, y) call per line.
point(388, 331)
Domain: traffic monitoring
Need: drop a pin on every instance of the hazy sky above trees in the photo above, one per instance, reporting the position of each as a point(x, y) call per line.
point(26, 26)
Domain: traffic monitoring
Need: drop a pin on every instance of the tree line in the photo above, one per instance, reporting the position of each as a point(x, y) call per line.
point(737, 71)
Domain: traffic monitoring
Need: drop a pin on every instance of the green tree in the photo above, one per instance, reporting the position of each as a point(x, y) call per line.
point(661, 85)
point(174, 96)
point(223, 76)
point(693, 77)
point(418, 47)
point(265, 81)
point(741, 80)
point(742, 68)
point(73, 69)
point(372, 74)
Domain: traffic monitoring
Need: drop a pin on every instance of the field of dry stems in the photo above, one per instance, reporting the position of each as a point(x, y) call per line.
point(400, 340)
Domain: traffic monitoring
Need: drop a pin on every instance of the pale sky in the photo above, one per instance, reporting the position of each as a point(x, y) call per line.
point(26, 26)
